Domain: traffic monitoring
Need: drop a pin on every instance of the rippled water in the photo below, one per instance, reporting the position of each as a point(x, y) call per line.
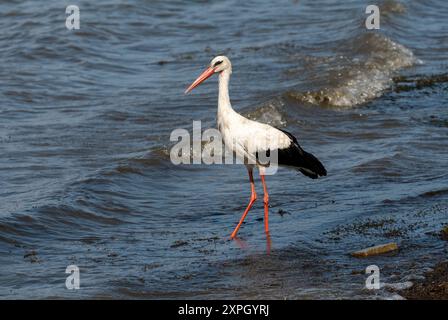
point(85, 120)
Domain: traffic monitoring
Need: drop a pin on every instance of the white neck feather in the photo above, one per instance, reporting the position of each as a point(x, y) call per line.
point(224, 105)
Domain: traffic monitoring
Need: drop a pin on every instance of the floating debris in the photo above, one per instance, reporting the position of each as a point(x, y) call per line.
point(372, 251)
point(179, 243)
point(31, 256)
point(282, 212)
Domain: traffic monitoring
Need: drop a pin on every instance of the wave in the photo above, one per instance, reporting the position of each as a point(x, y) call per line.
point(434, 193)
point(391, 7)
point(269, 112)
point(361, 73)
point(418, 82)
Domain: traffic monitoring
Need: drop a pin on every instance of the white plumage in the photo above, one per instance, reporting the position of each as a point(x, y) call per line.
point(248, 138)
point(240, 134)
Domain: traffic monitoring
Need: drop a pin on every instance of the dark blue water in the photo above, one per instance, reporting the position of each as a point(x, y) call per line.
point(86, 177)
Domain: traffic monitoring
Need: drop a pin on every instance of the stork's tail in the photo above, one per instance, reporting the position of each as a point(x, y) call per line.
point(304, 161)
point(311, 166)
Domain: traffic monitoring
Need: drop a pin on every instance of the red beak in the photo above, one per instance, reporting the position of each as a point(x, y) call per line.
point(204, 76)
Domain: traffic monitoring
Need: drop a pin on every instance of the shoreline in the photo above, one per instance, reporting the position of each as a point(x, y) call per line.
point(433, 287)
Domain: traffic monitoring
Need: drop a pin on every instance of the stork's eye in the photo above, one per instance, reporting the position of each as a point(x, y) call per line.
point(217, 63)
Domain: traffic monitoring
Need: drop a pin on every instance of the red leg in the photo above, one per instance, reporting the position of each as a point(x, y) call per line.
point(268, 243)
point(266, 204)
point(253, 197)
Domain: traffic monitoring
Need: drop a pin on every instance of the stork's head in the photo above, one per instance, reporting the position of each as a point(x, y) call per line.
point(217, 65)
point(221, 63)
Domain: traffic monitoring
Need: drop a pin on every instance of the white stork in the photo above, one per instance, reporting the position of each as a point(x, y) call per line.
point(239, 132)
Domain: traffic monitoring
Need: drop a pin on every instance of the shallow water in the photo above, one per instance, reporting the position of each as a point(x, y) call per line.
point(86, 178)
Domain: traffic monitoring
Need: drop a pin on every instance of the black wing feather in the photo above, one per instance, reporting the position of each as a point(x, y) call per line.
point(295, 156)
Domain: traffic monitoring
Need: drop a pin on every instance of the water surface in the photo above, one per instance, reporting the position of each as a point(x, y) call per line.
point(86, 178)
